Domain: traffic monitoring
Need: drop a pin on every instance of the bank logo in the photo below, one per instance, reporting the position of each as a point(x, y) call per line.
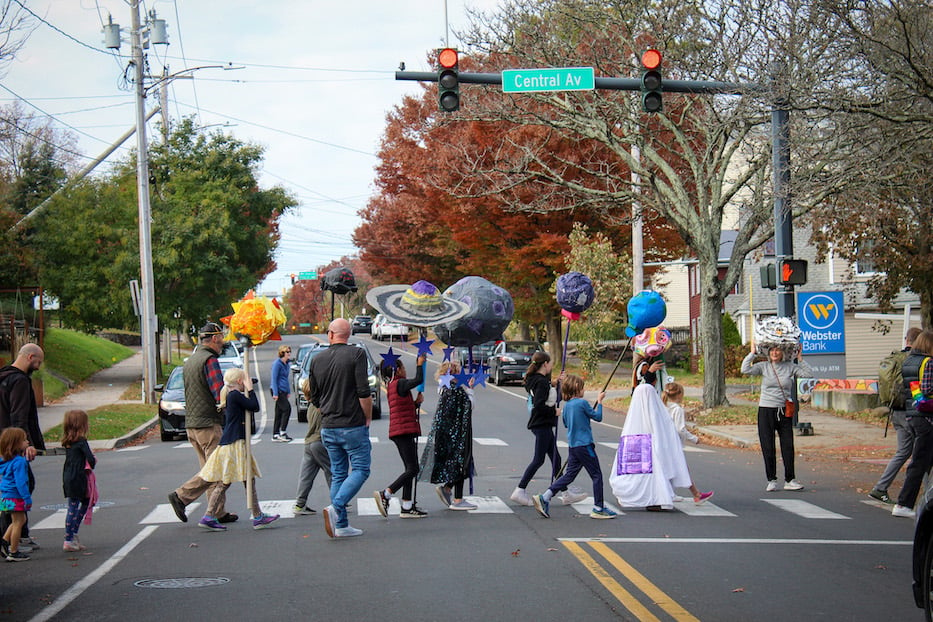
point(822, 312)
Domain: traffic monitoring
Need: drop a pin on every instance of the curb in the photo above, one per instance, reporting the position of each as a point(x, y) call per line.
point(735, 440)
point(126, 439)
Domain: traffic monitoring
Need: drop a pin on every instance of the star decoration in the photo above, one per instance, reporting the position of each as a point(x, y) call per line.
point(463, 377)
point(448, 352)
point(445, 380)
point(390, 358)
point(424, 346)
point(480, 375)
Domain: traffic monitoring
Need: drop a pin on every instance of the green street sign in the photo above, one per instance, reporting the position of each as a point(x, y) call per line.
point(304, 324)
point(554, 79)
point(307, 276)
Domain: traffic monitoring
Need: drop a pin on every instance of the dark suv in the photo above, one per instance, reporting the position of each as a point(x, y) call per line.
point(361, 324)
point(510, 360)
point(375, 385)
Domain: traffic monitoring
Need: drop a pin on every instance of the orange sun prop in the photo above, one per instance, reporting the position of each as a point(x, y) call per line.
point(256, 318)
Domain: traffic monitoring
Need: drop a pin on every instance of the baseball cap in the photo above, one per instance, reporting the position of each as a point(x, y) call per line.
point(211, 328)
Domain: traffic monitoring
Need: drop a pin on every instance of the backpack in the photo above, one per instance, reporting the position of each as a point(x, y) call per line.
point(891, 382)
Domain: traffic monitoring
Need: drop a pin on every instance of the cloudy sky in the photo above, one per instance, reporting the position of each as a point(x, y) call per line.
point(316, 82)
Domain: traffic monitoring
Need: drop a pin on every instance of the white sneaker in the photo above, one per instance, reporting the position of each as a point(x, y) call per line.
point(70, 546)
point(793, 485)
point(572, 495)
point(903, 512)
point(521, 497)
point(772, 486)
point(347, 532)
point(462, 505)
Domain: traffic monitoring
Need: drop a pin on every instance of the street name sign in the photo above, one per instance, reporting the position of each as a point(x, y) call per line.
point(553, 79)
point(307, 276)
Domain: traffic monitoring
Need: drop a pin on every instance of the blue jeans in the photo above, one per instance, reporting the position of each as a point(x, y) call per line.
point(348, 448)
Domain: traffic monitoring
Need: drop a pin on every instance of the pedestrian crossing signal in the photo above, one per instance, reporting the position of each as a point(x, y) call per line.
point(793, 272)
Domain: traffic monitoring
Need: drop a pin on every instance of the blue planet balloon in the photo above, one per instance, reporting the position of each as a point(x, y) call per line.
point(575, 292)
point(645, 310)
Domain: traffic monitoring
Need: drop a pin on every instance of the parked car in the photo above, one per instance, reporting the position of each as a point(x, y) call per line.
point(923, 555)
point(172, 402)
point(375, 386)
point(361, 324)
point(384, 328)
point(299, 356)
point(481, 353)
point(510, 360)
point(231, 353)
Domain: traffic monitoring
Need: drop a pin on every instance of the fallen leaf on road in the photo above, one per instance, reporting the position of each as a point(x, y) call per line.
point(515, 553)
point(738, 589)
point(194, 545)
point(145, 488)
point(550, 549)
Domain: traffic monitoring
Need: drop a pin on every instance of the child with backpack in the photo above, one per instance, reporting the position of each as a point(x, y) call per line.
point(76, 474)
point(892, 393)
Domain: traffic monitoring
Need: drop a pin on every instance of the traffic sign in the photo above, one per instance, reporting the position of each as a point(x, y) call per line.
point(307, 276)
point(552, 79)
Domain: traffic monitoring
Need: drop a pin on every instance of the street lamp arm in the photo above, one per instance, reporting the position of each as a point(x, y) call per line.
point(181, 74)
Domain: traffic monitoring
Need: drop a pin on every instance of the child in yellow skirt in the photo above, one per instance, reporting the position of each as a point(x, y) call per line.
point(228, 463)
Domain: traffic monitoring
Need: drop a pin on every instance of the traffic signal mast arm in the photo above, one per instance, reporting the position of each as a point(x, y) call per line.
point(609, 84)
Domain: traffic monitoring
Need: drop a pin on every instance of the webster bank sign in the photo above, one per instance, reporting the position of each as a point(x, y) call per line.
point(822, 322)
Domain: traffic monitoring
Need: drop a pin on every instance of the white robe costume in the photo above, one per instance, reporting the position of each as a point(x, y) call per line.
point(650, 461)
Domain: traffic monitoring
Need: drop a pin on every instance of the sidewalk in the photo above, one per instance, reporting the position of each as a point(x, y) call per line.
point(105, 387)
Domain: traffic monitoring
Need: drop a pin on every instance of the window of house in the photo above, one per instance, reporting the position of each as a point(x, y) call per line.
point(865, 265)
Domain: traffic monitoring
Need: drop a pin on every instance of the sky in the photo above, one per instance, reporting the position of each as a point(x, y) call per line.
point(314, 83)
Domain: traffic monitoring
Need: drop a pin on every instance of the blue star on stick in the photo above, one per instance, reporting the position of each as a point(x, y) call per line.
point(390, 358)
point(424, 346)
point(463, 377)
point(449, 352)
point(445, 380)
point(480, 375)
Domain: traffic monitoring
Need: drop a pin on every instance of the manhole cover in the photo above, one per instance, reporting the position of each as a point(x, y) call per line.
point(183, 582)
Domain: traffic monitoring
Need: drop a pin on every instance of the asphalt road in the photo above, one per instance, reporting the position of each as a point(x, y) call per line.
point(823, 553)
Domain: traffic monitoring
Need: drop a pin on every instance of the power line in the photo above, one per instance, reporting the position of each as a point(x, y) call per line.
point(286, 132)
point(59, 30)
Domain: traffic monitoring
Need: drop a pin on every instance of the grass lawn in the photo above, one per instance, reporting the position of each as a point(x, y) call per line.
point(111, 421)
point(75, 356)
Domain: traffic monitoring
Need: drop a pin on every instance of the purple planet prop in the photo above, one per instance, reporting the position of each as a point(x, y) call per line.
point(645, 310)
point(575, 292)
point(491, 310)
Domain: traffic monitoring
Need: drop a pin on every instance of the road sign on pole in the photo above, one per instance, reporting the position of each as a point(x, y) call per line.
point(308, 276)
point(552, 79)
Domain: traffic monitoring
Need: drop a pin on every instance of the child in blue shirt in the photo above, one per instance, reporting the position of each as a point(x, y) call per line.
point(14, 490)
point(576, 415)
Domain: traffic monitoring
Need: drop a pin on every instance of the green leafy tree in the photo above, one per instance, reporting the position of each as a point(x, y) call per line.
point(213, 233)
point(593, 255)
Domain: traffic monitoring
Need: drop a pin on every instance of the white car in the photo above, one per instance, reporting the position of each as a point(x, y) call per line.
point(384, 328)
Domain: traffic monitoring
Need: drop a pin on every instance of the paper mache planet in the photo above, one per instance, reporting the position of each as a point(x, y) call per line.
point(256, 318)
point(574, 294)
point(652, 342)
point(491, 310)
point(645, 310)
point(776, 332)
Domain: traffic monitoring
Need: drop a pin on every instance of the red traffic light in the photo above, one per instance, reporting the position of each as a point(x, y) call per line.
point(651, 59)
point(447, 58)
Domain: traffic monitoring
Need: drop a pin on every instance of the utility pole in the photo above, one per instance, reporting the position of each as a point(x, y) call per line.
point(149, 322)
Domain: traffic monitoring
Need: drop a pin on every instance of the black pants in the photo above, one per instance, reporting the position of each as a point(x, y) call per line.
point(545, 447)
point(920, 460)
point(407, 445)
point(771, 420)
point(283, 410)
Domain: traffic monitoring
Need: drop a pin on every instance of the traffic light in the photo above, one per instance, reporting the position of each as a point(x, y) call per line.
point(448, 81)
point(651, 82)
point(793, 272)
point(767, 276)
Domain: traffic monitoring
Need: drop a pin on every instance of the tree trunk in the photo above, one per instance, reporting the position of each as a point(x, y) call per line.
point(714, 379)
point(555, 335)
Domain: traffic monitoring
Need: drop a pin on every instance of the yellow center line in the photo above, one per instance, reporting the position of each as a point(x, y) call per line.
point(624, 596)
point(652, 591)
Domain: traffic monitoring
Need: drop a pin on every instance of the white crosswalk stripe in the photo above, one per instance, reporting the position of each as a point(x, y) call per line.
point(163, 513)
point(490, 441)
point(366, 506)
point(804, 509)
